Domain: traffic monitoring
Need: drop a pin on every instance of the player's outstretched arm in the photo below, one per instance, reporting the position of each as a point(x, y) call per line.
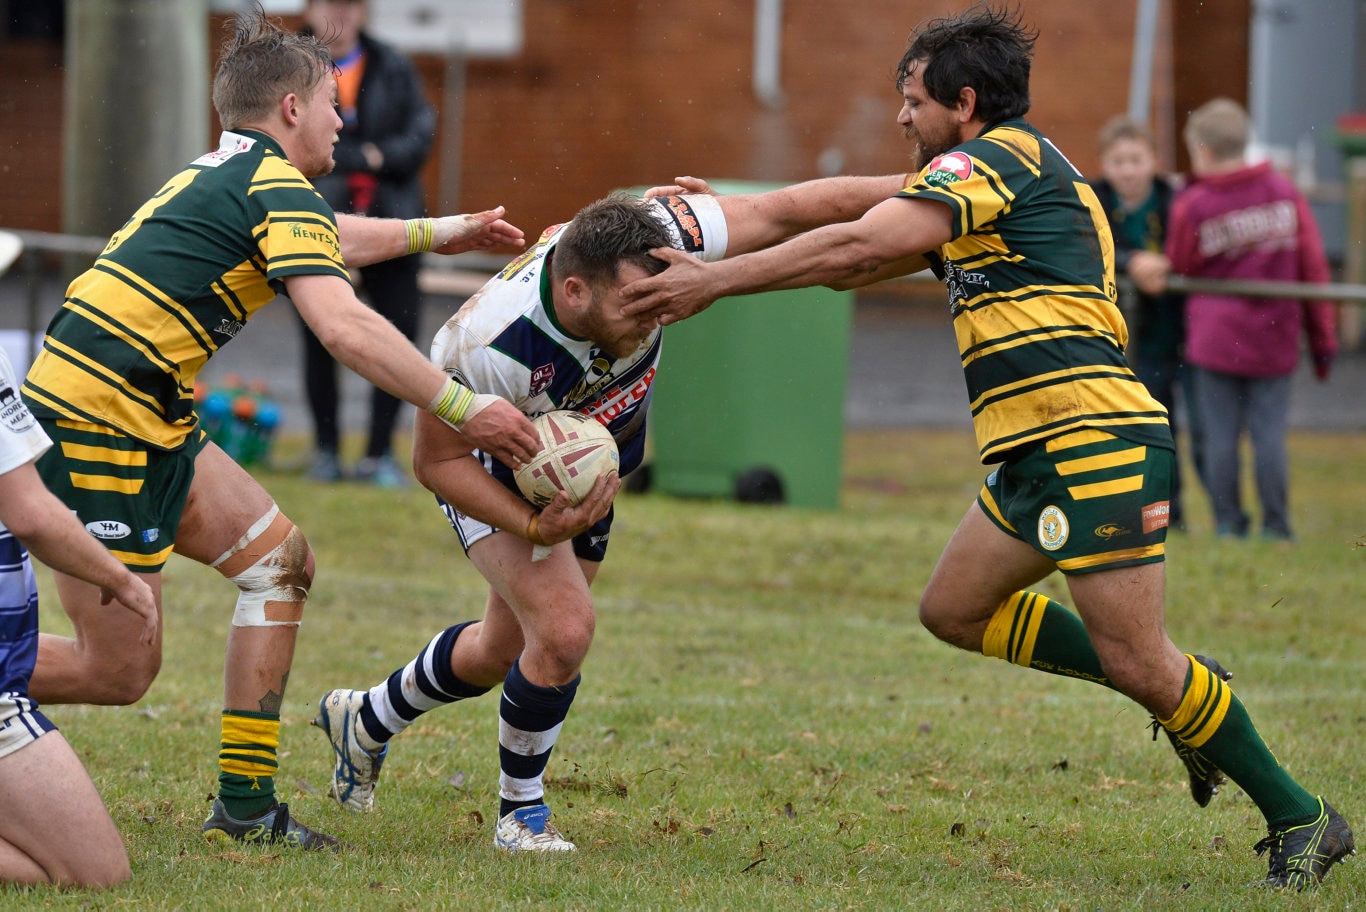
point(370, 240)
point(890, 239)
point(681, 186)
point(480, 231)
point(54, 535)
point(758, 220)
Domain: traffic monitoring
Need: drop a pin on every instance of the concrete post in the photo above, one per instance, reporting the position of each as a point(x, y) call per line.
point(137, 104)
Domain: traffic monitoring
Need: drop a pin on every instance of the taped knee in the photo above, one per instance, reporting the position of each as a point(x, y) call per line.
point(273, 567)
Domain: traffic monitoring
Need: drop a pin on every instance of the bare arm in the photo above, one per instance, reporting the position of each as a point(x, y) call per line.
point(54, 535)
point(444, 463)
point(369, 240)
point(370, 345)
point(758, 220)
point(893, 235)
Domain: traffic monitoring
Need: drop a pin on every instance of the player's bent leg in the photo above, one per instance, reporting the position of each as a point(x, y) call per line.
point(462, 662)
point(1124, 615)
point(1204, 776)
point(105, 662)
point(961, 597)
point(55, 829)
point(232, 524)
point(551, 601)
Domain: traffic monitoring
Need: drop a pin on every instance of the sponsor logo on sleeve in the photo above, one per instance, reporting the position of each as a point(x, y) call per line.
point(689, 232)
point(13, 412)
point(308, 232)
point(949, 168)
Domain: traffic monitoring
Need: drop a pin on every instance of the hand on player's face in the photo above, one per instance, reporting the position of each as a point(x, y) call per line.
point(561, 520)
point(614, 331)
point(675, 294)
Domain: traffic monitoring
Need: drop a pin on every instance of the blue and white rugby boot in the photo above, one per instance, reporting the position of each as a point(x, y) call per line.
point(356, 770)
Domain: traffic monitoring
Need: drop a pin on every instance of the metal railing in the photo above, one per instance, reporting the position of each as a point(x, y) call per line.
point(462, 275)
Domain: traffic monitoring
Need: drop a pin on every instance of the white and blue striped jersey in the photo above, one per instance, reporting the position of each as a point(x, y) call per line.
point(22, 440)
point(507, 341)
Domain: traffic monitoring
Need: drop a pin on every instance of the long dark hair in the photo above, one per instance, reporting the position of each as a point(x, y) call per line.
point(985, 48)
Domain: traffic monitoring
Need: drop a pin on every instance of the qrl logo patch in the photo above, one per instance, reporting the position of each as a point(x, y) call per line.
point(1052, 529)
point(541, 378)
point(949, 168)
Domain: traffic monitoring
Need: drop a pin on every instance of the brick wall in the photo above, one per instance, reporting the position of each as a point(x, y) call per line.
point(30, 136)
point(614, 94)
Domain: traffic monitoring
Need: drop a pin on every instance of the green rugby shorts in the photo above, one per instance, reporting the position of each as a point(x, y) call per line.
point(128, 494)
point(1088, 500)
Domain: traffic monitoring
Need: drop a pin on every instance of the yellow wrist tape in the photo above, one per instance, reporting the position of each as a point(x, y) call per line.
point(421, 234)
point(451, 404)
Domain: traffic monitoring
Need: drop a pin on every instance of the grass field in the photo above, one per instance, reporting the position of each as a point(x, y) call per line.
point(763, 724)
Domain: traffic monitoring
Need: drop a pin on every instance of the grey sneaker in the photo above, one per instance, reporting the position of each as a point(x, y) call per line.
point(1205, 777)
point(382, 472)
point(355, 771)
point(529, 829)
point(326, 467)
point(272, 827)
point(1301, 855)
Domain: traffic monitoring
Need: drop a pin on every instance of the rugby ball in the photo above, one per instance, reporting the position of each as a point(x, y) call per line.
point(577, 448)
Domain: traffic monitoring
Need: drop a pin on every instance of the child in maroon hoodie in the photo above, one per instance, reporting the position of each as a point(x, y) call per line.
point(1246, 222)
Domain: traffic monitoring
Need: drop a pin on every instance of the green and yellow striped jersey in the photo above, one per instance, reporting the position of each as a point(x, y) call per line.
point(178, 281)
point(1031, 282)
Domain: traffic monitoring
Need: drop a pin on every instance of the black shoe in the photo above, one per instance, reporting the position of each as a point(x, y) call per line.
point(1301, 855)
point(273, 826)
point(1204, 776)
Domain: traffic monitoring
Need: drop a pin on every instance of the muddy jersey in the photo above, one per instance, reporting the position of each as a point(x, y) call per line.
point(21, 441)
point(507, 341)
point(176, 283)
point(1031, 284)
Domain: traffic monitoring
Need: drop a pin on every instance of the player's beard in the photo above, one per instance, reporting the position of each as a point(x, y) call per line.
point(322, 167)
point(608, 338)
point(926, 149)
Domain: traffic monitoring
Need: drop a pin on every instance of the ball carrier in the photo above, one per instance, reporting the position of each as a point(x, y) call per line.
point(547, 334)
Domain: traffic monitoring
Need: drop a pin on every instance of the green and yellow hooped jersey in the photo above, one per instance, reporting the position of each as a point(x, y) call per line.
point(178, 281)
point(1031, 283)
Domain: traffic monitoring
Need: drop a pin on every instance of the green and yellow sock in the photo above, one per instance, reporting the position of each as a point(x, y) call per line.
point(1214, 721)
point(246, 762)
point(1036, 632)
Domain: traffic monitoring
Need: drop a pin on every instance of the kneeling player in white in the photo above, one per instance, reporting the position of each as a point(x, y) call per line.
point(546, 333)
point(54, 828)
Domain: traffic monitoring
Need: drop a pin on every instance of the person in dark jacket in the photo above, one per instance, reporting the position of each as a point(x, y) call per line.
point(386, 136)
point(1137, 200)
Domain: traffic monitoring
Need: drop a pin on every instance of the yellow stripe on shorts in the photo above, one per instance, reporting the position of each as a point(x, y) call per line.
point(1106, 488)
point(106, 483)
point(88, 453)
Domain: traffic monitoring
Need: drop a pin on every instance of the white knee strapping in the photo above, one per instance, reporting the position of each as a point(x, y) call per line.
point(269, 564)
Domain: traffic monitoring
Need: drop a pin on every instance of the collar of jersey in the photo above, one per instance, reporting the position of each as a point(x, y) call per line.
point(263, 138)
point(548, 298)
